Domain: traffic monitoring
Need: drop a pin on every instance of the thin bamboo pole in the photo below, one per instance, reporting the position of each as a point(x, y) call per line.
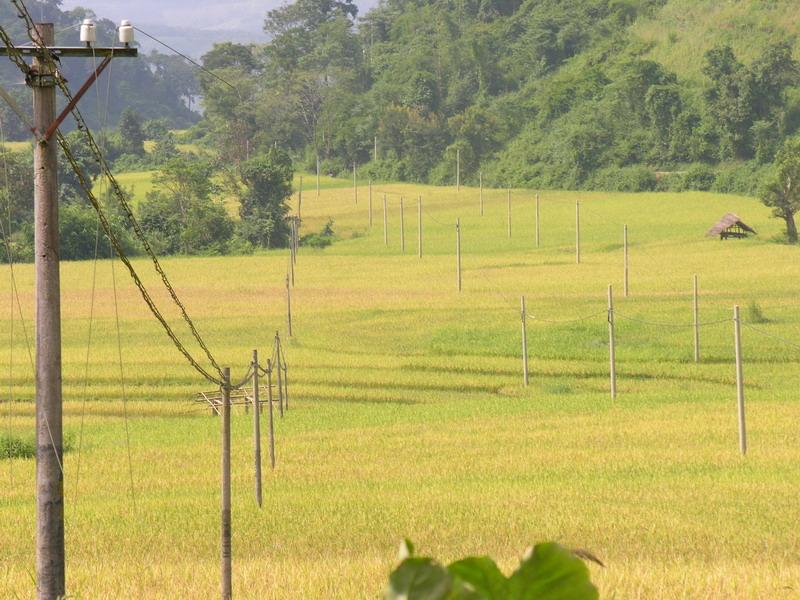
point(509, 214)
point(402, 227)
point(524, 344)
point(612, 354)
point(458, 252)
point(419, 226)
point(225, 512)
point(625, 260)
point(696, 314)
point(385, 222)
point(480, 190)
point(256, 429)
point(271, 415)
point(737, 332)
point(578, 232)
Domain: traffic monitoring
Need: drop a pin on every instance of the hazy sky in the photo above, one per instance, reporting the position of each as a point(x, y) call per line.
point(242, 15)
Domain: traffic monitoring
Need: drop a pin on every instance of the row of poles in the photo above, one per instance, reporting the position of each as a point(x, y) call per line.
point(279, 367)
point(626, 269)
point(737, 326)
point(625, 254)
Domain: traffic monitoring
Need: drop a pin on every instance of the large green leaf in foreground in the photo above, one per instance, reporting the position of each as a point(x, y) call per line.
point(548, 572)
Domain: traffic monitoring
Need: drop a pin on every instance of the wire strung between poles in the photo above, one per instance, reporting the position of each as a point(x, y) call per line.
point(529, 317)
point(247, 378)
point(119, 194)
point(669, 325)
point(86, 367)
point(772, 335)
point(123, 257)
point(129, 214)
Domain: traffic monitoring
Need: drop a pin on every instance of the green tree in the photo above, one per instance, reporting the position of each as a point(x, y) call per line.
point(131, 133)
point(782, 191)
point(739, 96)
point(155, 129)
point(180, 214)
point(268, 186)
point(165, 149)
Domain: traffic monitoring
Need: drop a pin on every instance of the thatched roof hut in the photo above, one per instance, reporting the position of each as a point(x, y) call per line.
point(730, 226)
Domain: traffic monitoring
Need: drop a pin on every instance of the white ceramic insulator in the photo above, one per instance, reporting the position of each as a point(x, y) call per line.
point(88, 32)
point(126, 32)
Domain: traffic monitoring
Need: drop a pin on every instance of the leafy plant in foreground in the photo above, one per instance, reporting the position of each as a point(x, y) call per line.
point(547, 572)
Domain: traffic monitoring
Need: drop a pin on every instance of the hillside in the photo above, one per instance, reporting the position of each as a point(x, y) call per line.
point(581, 94)
point(684, 30)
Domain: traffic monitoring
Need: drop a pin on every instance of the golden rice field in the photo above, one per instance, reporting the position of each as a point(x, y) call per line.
point(408, 417)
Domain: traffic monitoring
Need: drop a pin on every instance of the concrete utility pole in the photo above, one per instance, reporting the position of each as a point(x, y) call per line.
point(43, 78)
point(49, 440)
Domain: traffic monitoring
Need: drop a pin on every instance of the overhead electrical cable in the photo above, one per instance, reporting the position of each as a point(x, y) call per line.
point(120, 196)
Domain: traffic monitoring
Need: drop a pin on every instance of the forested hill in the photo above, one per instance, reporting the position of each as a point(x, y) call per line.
point(154, 85)
point(541, 93)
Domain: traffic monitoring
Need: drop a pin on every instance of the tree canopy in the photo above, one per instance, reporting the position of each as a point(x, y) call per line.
point(545, 93)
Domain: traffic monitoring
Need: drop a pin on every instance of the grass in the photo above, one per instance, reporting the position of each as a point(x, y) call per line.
point(16, 146)
point(150, 145)
point(408, 417)
point(137, 183)
point(683, 30)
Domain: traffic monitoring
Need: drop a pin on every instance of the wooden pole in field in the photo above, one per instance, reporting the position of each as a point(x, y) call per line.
point(537, 220)
point(370, 202)
point(292, 240)
point(737, 333)
point(524, 344)
point(625, 259)
point(419, 226)
point(256, 429)
point(271, 415)
point(402, 227)
point(509, 214)
point(291, 265)
point(317, 176)
point(288, 307)
point(375, 151)
point(300, 198)
point(225, 512)
point(696, 315)
point(279, 381)
point(285, 380)
point(458, 252)
point(355, 184)
point(480, 189)
point(577, 232)
point(458, 169)
point(612, 355)
point(385, 222)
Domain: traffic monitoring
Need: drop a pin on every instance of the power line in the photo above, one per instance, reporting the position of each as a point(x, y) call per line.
point(120, 196)
point(668, 325)
point(565, 321)
point(195, 63)
point(772, 335)
point(86, 366)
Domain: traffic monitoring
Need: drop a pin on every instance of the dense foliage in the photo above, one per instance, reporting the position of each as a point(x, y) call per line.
point(539, 93)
